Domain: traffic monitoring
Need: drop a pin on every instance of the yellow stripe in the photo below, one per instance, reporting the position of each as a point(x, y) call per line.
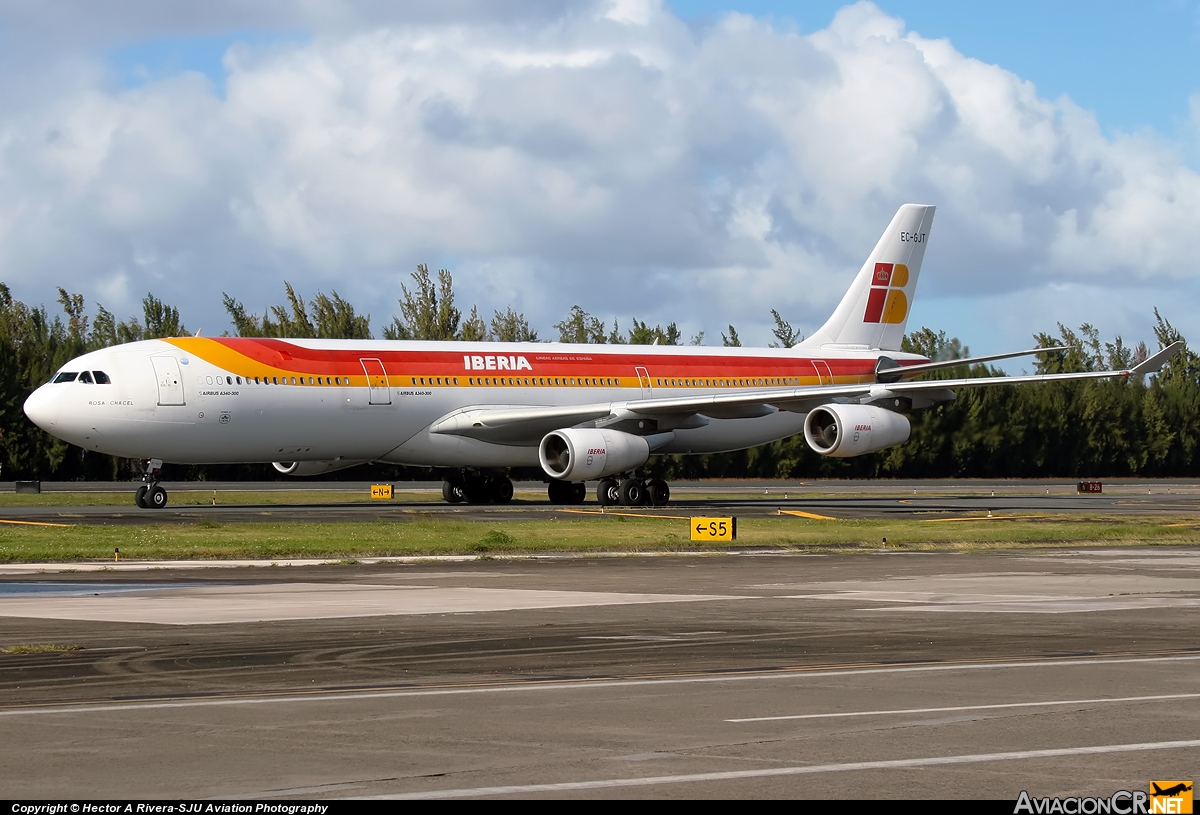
point(985, 518)
point(31, 523)
point(800, 514)
point(625, 514)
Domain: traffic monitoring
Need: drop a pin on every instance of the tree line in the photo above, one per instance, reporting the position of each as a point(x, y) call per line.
point(1102, 428)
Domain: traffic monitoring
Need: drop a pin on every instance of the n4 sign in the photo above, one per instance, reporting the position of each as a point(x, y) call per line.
point(714, 529)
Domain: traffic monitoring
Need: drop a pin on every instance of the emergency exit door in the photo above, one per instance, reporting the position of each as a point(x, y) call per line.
point(377, 382)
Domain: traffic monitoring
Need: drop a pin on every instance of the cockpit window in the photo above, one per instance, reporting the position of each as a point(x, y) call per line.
point(86, 378)
point(66, 377)
point(101, 378)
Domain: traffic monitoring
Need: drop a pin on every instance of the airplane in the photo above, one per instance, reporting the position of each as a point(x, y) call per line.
point(472, 409)
point(1170, 792)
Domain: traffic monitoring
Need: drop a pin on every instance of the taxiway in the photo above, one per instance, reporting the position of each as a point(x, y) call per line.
point(882, 675)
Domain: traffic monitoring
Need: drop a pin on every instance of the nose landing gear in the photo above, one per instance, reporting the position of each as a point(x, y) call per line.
point(150, 495)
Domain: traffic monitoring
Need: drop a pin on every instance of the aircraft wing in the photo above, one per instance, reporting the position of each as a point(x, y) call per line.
point(519, 425)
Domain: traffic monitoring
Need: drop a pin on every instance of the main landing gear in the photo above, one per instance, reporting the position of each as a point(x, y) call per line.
point(150, 495)
point(477, 488)
point(566, 492)
point(633, 492)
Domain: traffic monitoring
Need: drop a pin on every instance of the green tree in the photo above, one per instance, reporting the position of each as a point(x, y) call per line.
point(328, 316)
point(427, 312)
point(512, 327)
point(334, 318)
point(474, 329)
point(291, 320)
point(731, 340)
point(643, 334)
point(161, 320)
point(581, 327)
point(785, 335)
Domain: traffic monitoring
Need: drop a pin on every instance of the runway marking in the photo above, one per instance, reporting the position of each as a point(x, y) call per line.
point(468, 689)
point(987, 518)
point(811, 515)
point(599, 512)
point(1010, 706)
point(31, 523)
point(776, 772)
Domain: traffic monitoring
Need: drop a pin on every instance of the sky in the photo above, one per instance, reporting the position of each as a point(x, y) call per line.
point(694, 161)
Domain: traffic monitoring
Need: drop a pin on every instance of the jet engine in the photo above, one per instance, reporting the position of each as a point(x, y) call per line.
point(580, 454)
point(312, 467)
point(843, 431)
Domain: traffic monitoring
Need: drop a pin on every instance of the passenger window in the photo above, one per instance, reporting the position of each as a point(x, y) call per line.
point(101, 378)
point(275, 380)
point(85, 378)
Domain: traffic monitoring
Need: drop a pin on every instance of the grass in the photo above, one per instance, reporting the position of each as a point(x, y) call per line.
point(347, 541)
point(39, 648)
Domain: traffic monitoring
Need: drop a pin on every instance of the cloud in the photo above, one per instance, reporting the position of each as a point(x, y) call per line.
point(603, 154)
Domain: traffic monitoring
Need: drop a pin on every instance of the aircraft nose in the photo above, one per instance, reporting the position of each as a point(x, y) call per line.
point(42, 408)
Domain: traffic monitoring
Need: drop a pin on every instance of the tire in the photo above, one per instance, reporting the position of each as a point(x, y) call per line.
point(633, 492)
point(607, 494)
point(476, 491)
point(559, 492)
point(578, 492)
point(139, 497)
point(452, 492)
point(156, 498)
point(502, 490)
point(658, 492)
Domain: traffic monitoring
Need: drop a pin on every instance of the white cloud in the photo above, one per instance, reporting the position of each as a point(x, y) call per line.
point(606, 155)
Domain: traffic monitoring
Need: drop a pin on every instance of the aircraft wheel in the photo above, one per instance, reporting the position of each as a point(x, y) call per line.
point(607, 493)
point(156, 498)
point(578, 492)
point(559, 492)
point(452, 492)
point(502, 490)
point(476, 491)
point(633, 492)
point(139, 497)
point(658, 492)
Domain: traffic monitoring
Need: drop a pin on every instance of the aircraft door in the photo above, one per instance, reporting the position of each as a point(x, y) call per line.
point(377, 382)
point(170, 381)
point(644, 381)
point(823, 372)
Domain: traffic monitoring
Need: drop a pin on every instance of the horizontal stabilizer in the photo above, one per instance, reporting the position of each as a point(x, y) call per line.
point(1160, 359)
point(908, 371)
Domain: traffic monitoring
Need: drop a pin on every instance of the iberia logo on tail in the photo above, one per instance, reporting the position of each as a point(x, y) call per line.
point(887, 302)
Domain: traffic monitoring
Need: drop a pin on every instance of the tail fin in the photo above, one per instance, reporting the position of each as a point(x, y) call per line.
point(874, 311)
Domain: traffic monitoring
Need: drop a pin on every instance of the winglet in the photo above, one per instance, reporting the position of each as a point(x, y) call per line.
point(1155, 362)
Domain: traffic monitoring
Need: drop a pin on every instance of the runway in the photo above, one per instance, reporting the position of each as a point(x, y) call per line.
point(833, 499)
point(883, 675)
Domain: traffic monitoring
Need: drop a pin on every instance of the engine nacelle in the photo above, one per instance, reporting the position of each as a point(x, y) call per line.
point(843, 431)
point(578, 454)
point(313, 467)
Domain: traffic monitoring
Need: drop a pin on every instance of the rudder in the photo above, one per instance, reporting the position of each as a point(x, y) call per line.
point(874, 311)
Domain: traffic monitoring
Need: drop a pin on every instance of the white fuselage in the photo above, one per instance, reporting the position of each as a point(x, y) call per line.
point(242, 400)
